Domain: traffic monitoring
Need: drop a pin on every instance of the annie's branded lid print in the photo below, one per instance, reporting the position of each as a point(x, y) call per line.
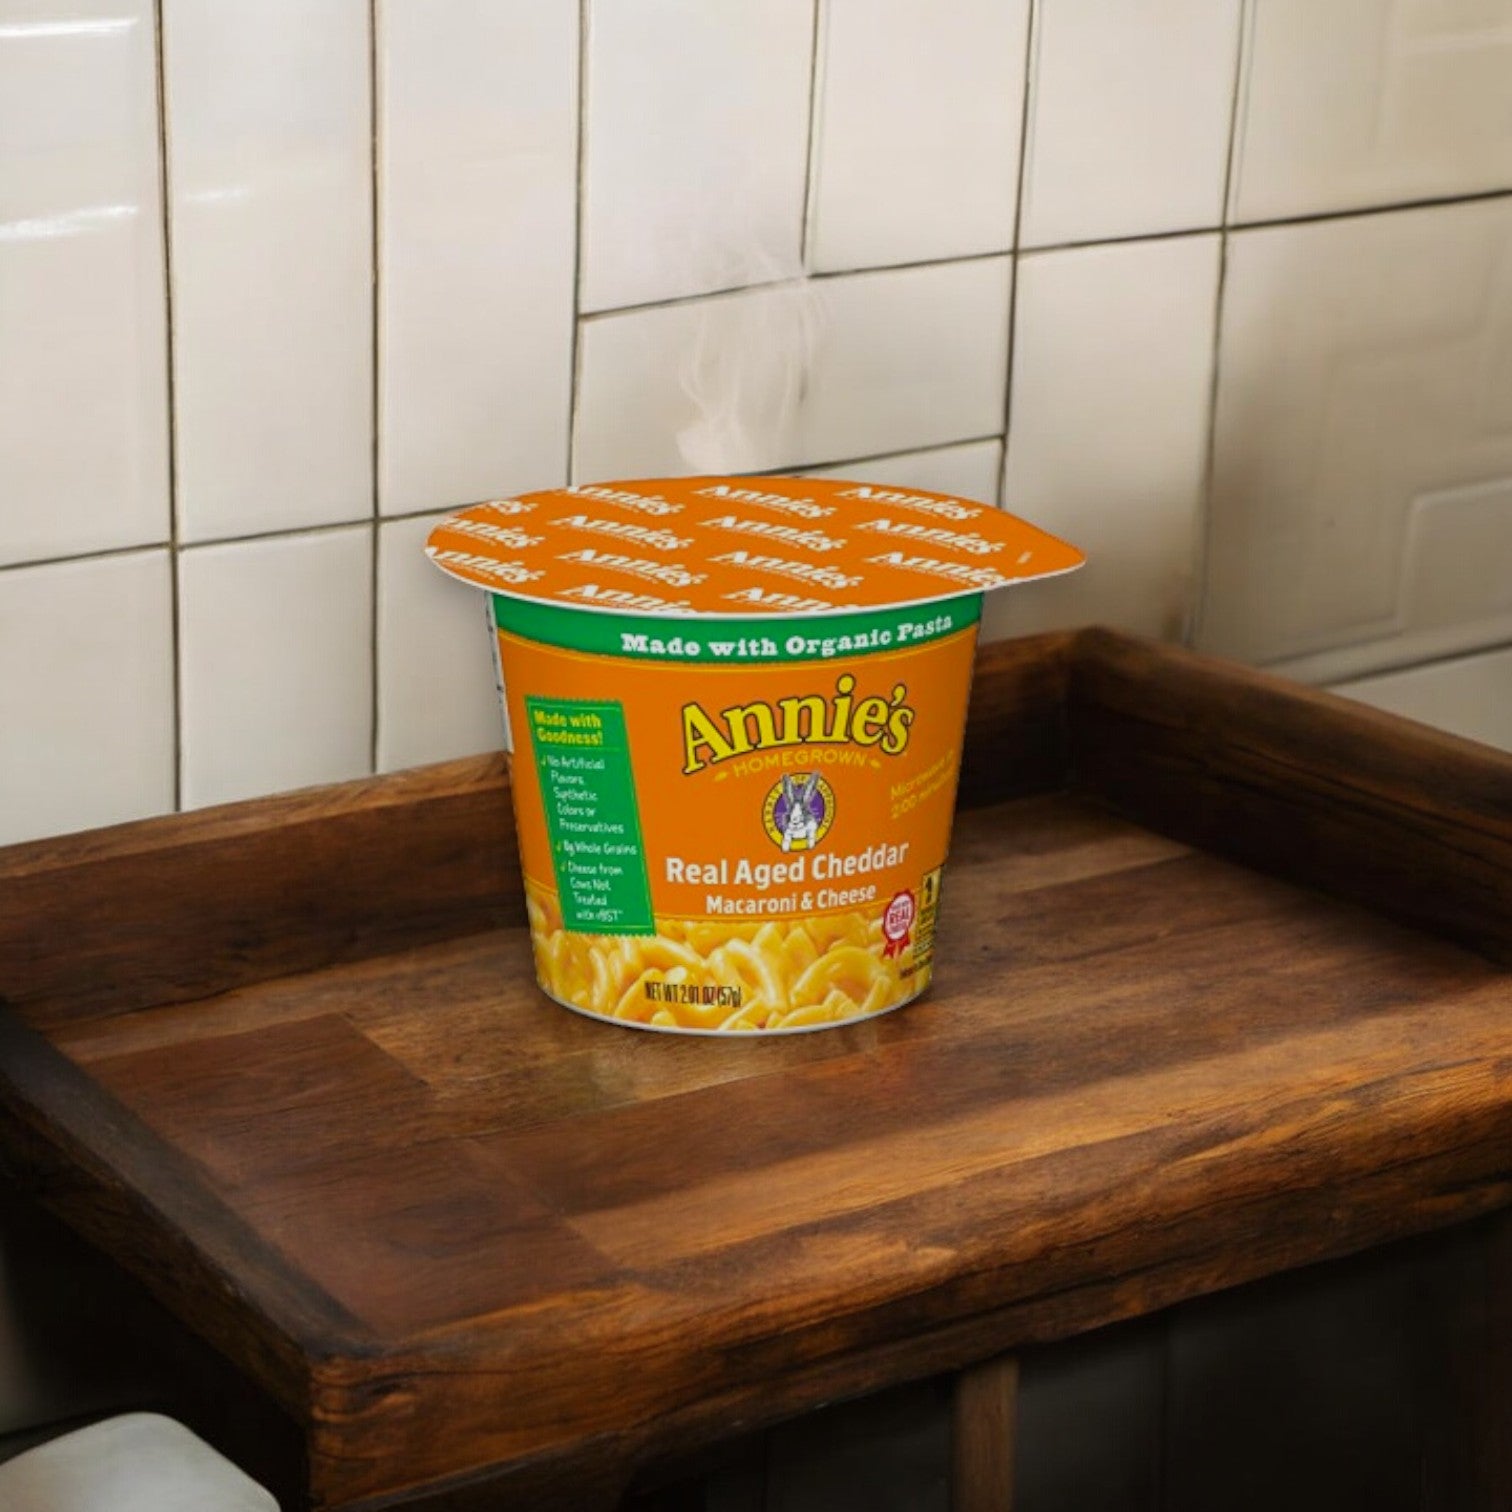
point(732, 546)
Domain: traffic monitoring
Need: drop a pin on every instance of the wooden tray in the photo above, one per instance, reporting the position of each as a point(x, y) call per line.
point(1218, 996)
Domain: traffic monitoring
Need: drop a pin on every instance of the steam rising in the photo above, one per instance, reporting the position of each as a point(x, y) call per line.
point(746, 373)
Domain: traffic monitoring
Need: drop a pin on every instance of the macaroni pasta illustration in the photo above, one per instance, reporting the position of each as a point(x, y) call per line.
point(702, 974)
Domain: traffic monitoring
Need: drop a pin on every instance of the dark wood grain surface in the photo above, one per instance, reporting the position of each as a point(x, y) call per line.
point(984, 1426)
point(484, 1247)
point(1409, 820)
point(169, 910)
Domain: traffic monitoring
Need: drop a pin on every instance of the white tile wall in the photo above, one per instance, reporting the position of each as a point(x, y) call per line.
point(478, 216)
point(276, 663)
point(83, 339)
point(86, 693)
point(1467, 695)
point(270, 188)
point(1362, 491)
point(1112, 367)
point(697, 146)
point(800, 374)
point(916, 139)
point(744, 236)
point(1372, 102)
point(1129, 119)
point(967, 472)
point(436, 694)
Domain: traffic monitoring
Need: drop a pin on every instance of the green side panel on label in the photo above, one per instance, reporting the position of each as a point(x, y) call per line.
point(582, 758)
point(702, 641)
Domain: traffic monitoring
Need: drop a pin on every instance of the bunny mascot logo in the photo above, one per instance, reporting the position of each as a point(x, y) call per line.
point(798, 812)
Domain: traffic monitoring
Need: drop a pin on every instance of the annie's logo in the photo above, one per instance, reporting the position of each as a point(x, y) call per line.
point(810, 719)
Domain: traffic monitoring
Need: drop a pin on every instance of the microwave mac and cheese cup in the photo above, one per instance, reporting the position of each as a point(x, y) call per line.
point(735, 710)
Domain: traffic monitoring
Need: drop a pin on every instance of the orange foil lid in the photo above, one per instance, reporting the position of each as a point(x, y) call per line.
point(741, 546)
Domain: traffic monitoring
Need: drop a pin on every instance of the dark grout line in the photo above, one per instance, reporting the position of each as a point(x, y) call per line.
point(359, 522)
point(438, 509)
point(1031, 41)
point(138, 549)
point(811, 140)
point(1120, 241)
point(1362, 212)
point(189, 548)
point(575, 349)
point(792, 469)
point(175, 615)
point(1213, 229)
point(788, 469)
point(908, 267)
point(1202, 544)
point(183, 548)
point(176, 542)
point(375, 461)
point(796, 281)
point(587, 316)
point(1244, 51)
point(1228, 227)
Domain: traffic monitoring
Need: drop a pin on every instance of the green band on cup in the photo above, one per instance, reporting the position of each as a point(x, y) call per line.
point(702, 640)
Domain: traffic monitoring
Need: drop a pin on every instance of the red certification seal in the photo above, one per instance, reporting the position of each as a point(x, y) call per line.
point(897, 923)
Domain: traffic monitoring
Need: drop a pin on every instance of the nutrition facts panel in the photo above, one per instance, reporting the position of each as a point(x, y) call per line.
point(582, 759)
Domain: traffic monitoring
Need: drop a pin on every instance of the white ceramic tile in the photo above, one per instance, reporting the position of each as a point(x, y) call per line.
point(270, 178)
point(478, 212)
point(275, 655)
point(966, 472)
point(132, 1462)
point(1372, 102)
point(696, 146)
point(1469, 696)
point(1107, 430)
point(83, 330)
point(797, 375)
point(919, 111)
point(1129, 118)
point(436, 696)
point(86, 694)
point(1362, 497)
